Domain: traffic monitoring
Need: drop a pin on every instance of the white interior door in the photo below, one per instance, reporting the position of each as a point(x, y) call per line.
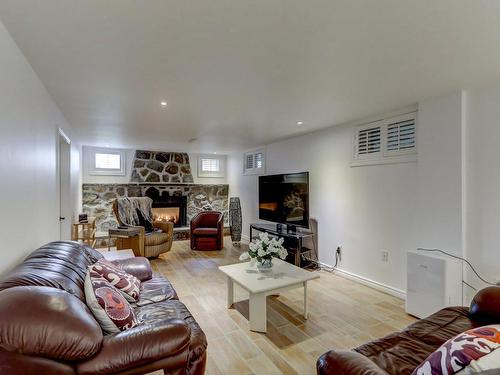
point(64, 163)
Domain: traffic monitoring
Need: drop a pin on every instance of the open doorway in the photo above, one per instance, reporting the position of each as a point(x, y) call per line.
point(64, 172)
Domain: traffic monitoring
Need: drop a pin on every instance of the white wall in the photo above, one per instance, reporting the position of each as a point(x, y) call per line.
point(129, 155)
point(29, 120)
point(439, 174)
point(483, 185)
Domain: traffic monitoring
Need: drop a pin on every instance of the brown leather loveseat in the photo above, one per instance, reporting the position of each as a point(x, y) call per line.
point(46, 328)
point(401, 352)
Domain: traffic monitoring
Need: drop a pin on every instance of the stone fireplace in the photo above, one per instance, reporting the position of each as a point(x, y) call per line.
point(98, 200)
point(166, 178)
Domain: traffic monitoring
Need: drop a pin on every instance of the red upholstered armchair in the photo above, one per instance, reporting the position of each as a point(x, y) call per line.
point(207, 231)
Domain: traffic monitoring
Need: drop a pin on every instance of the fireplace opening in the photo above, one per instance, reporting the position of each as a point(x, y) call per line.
point(168, 208)
point(166, 214)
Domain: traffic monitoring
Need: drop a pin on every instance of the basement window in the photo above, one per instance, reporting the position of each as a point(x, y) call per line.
point(391, 140)
point(211, 166)
point(107, 161)
point(254, 162)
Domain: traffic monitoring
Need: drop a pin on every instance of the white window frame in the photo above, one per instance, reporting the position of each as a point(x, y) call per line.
point(207, 174)
point(106, 171)
point(385, 156)
point(254, 170)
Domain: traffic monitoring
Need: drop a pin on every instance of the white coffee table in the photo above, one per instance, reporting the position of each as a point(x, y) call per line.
point(282, 277)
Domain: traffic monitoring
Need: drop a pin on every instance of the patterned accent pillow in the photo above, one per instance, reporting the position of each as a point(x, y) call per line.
point(109, 307)
point(126, 283)
point(465, 353)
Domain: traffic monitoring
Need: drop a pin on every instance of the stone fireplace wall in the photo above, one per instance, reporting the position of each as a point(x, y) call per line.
point(166, 167)
point(98, 199)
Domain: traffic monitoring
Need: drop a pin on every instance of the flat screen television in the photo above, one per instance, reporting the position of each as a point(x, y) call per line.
point(284, 199)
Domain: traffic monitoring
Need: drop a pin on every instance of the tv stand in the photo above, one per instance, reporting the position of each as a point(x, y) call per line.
point(293, 238)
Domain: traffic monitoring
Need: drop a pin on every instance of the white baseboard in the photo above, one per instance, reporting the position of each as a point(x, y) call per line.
point(401, 294)
point(245, 238)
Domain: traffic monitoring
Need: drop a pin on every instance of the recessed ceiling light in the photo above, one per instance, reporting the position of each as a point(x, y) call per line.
point(163, 104)
point(215, 153)
point(300, 123)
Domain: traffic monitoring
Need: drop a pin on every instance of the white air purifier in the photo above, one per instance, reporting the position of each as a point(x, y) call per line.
point(434, 281)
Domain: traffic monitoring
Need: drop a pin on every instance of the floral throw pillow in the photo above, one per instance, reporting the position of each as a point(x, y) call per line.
point(469, 352)
point(108, 305)
point(126, 283)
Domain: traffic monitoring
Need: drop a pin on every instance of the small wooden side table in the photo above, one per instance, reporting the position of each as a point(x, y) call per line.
point(84, 232)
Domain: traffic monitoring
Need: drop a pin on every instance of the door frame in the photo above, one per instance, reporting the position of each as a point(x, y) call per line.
point(63, 169)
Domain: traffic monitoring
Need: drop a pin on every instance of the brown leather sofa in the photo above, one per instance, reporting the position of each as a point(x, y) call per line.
point(401, 352)
point(46, 328)
point(207, 231)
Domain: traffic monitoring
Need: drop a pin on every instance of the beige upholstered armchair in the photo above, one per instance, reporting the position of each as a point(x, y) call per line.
point(150, 244)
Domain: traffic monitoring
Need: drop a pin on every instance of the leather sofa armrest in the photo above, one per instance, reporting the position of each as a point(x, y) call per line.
point(166, 226)
point(484, 306)
point(138, 266)
point(346, 363)
point(138, 346)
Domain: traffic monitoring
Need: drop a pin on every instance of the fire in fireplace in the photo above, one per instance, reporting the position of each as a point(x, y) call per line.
point(166, 214)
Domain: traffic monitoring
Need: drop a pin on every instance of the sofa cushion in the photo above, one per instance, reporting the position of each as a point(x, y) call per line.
point(346, 362)
point(155, 289)
point(475, 349)
point(402, 352)
point(174, 309)
point(110, 308)
point(205, 231)
point(126, 283)
point(47, 322)
point(60, 264)
point(126, 352)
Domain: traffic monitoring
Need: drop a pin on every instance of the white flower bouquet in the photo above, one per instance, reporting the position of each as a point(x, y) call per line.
point(264, 249)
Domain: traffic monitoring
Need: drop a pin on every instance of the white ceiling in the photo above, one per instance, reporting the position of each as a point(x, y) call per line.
point(239, 73)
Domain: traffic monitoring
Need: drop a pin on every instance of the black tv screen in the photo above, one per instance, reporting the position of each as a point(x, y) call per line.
point(284, 198)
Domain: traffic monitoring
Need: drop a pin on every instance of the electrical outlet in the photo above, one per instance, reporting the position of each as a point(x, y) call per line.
point(385, 256)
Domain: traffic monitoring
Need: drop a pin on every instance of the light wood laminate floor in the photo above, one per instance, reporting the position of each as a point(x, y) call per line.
point(342, 314)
